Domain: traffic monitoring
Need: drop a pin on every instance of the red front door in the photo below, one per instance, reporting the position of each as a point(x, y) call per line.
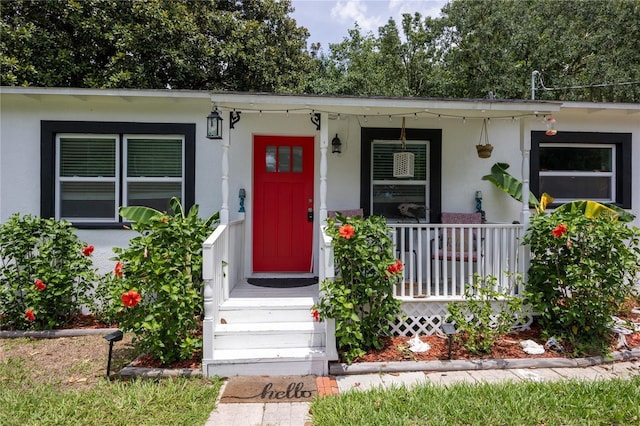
point(283, 203)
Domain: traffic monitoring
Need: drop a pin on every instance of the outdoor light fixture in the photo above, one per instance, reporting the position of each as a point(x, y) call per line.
point(242, 194)
point(214, 125)
point(449, 329)
point(551, 126)
point(116, 336)
point(336, 145)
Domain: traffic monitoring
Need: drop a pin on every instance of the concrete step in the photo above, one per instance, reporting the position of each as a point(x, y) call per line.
point(249, 310)
point(269, 335)
point(279, 361)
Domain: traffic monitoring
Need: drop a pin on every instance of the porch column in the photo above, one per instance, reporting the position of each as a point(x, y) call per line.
point(525, 148)
point(224, 210)
point(324, 143)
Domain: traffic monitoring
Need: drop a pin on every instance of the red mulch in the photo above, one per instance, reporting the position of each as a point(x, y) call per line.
point(397, 348)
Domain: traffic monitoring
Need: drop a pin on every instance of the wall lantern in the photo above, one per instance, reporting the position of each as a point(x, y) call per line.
point(336, 145)
point(214, 125)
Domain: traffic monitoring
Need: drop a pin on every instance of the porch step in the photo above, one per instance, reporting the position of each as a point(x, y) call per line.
point(260, 310)
point(279, 361)
point(261, 335)
point(267, 335)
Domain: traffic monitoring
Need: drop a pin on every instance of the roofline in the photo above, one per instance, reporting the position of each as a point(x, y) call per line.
point(302, 100)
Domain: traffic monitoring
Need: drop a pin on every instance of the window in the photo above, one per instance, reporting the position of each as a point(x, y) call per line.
point(578, 166)
point(381, 193)
point(388, 193)
point(86, 177)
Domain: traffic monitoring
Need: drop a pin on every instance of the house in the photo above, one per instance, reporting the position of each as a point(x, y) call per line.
point(282, 164)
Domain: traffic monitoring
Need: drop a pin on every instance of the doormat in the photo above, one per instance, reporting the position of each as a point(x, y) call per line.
point(242, 389)
point(282, 282)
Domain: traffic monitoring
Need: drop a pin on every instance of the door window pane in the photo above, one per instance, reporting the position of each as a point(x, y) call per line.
point(284, 159)
point(270, 159)
point(297, 159)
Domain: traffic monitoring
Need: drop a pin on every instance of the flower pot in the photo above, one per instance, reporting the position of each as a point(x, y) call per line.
point(484, 151)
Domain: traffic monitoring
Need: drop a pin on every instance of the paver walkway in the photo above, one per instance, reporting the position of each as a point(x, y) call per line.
point(297, 413)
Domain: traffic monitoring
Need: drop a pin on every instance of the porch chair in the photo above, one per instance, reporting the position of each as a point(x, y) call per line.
point(457, 243)
point(346, 213)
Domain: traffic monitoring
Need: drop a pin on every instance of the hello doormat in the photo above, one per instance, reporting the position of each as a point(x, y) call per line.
point(270, 389)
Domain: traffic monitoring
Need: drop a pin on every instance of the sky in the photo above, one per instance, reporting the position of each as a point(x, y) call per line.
point(329, 20)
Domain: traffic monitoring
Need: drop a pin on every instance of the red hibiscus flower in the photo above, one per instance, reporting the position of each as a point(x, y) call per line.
point(347, 231)
point(559, 230)
point(396, 267)
point(118, 269)
point(131, 298)
point(30, 315)
point(40, 285)
point(316, 315)
point(87, 250)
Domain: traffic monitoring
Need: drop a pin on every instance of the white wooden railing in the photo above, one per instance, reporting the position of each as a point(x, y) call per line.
point(441, 259)
point(222, 268)
point(327, 272)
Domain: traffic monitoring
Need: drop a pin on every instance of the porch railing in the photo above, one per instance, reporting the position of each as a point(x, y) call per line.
point(222, 268)
point(441, 259)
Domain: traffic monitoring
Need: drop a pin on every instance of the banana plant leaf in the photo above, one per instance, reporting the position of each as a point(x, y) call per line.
point(139, 214)
point(594, 209)
point(509, 184)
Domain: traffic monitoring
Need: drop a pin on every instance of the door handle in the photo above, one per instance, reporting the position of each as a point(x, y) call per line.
point(310, 214)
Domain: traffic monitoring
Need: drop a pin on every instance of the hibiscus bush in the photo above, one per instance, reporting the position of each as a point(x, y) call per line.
point(46, 275)
point(582, 269)
point(360, 298)
point(156, 287)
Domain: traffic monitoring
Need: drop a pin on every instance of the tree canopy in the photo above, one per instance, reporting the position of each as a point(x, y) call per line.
point(179, 44)
point(583, 49)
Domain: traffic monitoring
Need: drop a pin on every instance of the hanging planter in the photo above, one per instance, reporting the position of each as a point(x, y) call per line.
point(403, 162)
point(484, 148)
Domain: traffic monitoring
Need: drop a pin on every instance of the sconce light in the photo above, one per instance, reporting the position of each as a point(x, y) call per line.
point(336, 145)
point(116, 336)
point(214, 125)
point(242, 194)
point(551, 126)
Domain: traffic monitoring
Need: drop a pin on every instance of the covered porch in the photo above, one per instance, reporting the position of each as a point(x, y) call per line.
point(249, 330)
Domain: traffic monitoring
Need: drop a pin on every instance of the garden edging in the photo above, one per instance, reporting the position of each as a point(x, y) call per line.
point(52, 334)
point(343, 369)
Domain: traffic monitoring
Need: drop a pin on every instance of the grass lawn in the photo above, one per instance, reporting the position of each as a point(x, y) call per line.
point(25, 401)
point(614, 402)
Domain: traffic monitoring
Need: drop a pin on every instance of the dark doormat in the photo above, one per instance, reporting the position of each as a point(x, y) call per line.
point(270, 389)
point(282, 282)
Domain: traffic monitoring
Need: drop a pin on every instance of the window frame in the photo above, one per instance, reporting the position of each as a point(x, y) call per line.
point(399, 181)
point(434, 164)
point(49, 160)
point(621, 162)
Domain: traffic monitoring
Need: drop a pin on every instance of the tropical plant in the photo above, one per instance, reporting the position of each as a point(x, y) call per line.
point(46, 275)
point(360, 299)
point(582, 269)
point(156, 286)
point(484, 315)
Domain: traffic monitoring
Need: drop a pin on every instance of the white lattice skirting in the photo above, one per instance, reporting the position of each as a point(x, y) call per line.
point(426, 318)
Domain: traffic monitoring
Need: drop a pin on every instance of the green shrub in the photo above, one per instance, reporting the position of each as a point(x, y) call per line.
point(46, 276)
point(581, 270)
point(478, 320)
point(156, 287)
point(360, 299)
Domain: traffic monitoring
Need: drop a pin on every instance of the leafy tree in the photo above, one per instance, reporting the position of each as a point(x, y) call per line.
point(179, 44)
point(479, 46)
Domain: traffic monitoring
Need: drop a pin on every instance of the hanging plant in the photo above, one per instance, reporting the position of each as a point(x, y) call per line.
point(484, 148)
